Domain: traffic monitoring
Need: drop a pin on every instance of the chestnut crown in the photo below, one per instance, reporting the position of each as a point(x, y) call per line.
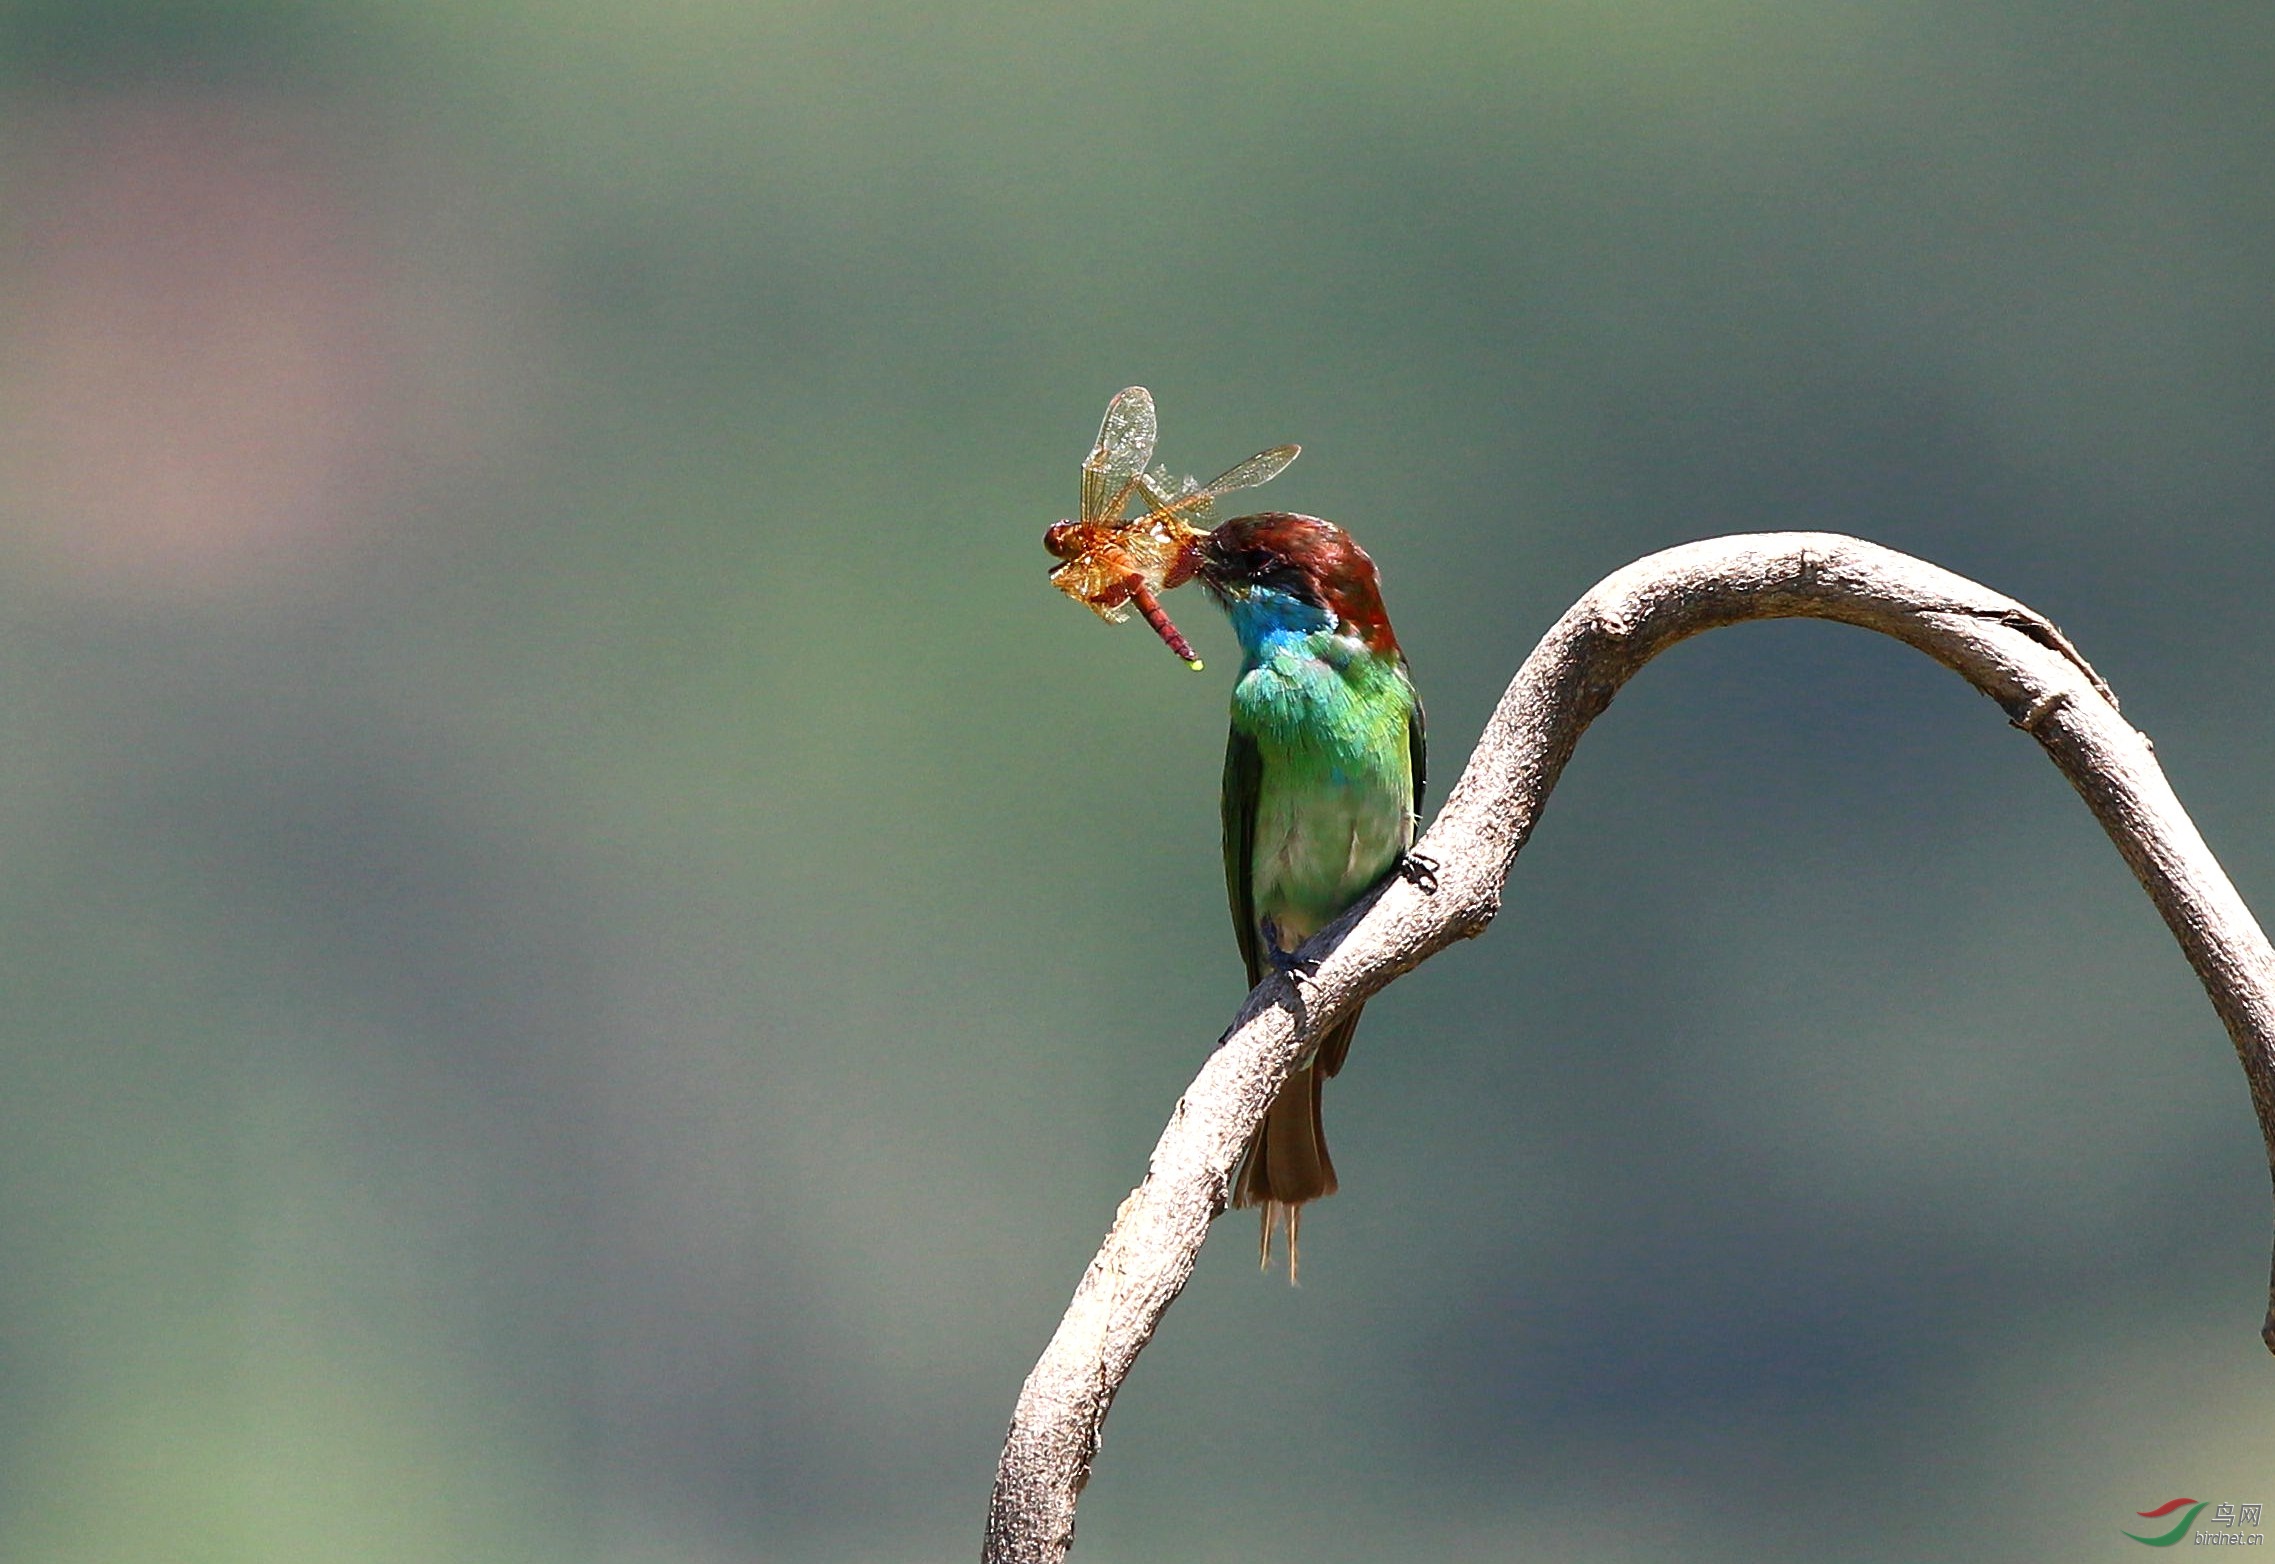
point(1304, 558)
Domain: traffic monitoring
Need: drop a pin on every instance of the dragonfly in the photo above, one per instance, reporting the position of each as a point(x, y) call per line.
point(1113, 561)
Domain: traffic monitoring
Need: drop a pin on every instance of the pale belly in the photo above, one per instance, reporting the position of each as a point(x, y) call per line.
point(1319, 848)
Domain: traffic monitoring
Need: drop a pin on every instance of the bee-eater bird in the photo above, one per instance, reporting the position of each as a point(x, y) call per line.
point(1322, 789)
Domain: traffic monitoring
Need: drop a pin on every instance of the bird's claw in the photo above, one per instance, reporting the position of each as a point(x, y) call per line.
point(1285, 962)
point(1421, 871)
point(1288, 965)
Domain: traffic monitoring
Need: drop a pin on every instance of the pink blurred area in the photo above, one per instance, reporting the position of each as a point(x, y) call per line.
point(206, 380)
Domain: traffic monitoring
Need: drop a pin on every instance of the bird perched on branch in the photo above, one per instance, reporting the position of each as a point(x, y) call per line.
point(1322, 788)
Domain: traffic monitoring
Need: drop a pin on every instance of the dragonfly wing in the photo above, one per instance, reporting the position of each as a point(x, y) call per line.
point(1194, 505)
point(1172, 499)
point(1163, 492)
point(1263, 467)
point(1125, 445)
point(1095, 580)
point(1154, 539)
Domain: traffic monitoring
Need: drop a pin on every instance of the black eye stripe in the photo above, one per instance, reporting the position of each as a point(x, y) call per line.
point(1259, 565)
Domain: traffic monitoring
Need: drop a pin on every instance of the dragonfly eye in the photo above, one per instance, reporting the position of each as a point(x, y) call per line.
point(1062, 540)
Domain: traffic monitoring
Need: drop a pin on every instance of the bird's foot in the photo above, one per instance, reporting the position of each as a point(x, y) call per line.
point(1288, 965)
point(1285, 962)
point(1421, 871)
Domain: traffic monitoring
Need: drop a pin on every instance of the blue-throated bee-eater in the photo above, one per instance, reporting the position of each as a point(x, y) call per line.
point(1322, 790)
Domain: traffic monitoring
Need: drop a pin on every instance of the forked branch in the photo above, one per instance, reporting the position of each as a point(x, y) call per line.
point(2013, 655)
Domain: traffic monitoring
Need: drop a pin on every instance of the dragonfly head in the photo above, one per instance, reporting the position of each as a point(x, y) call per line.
point(1063, 539)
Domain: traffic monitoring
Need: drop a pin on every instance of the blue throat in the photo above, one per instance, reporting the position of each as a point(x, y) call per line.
point(1269, 621)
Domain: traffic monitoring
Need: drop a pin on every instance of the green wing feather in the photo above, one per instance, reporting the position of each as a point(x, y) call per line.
point(1417, 745)
point(1336, 1044)
point(1243, 786)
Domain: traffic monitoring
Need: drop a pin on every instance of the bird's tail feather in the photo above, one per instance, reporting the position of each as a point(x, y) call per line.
point(1287, 1162)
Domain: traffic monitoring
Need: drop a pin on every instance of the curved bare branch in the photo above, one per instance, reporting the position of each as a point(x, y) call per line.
point(2010, 653)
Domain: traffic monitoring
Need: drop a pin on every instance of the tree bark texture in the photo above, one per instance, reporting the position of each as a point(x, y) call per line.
point(2012, 654)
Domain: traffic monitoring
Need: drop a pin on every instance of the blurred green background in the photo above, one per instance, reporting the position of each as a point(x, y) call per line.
point(588, 949)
